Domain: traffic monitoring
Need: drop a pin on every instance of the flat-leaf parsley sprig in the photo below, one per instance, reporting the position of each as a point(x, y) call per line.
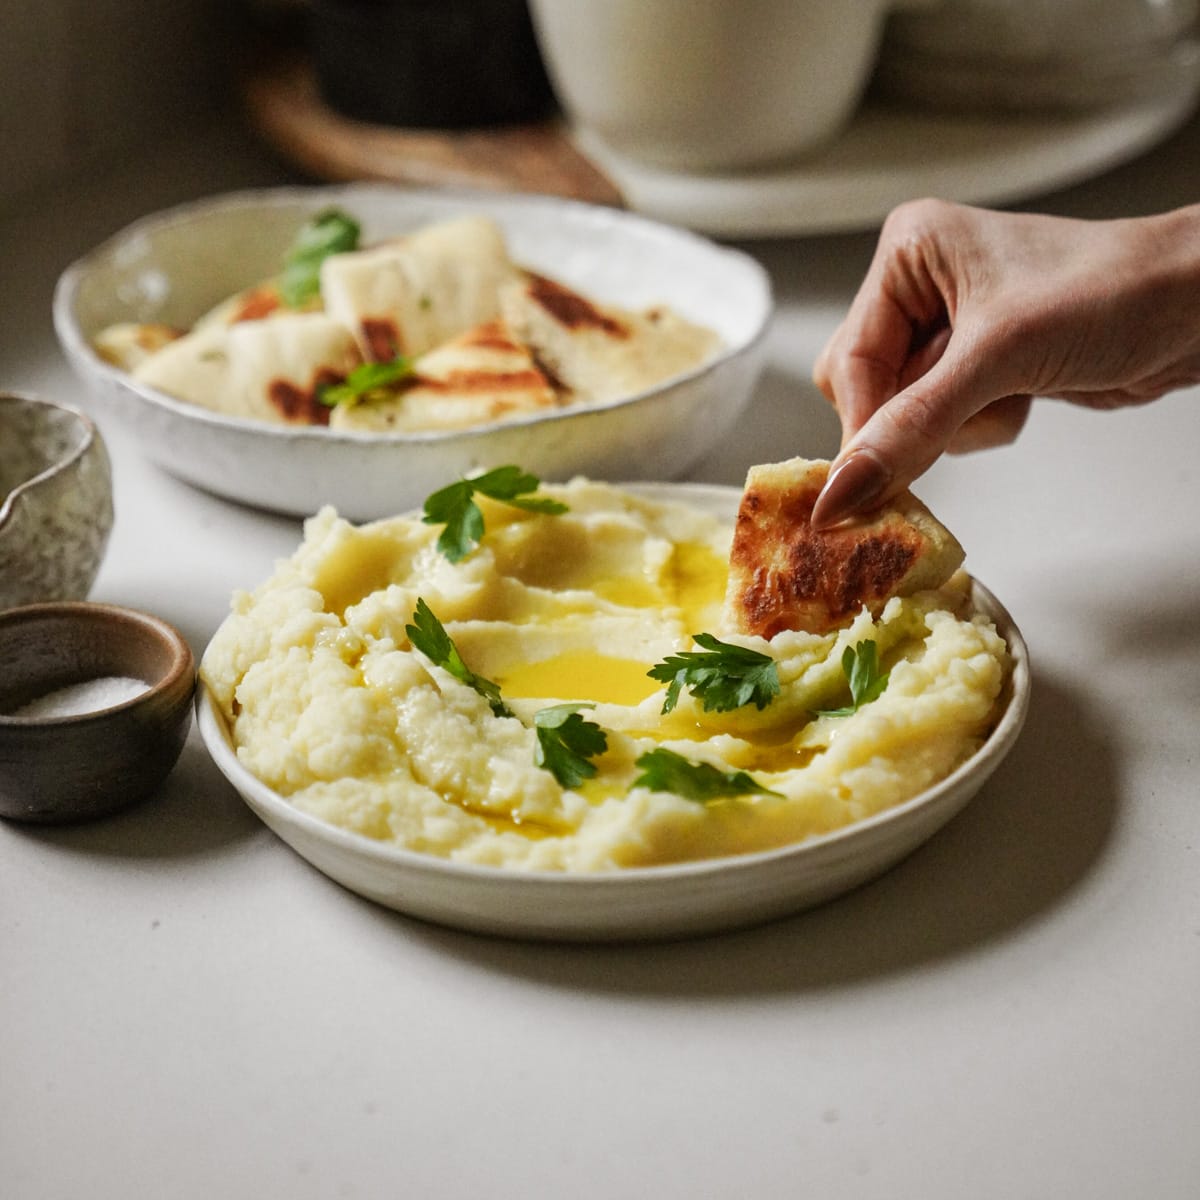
point(329, 232)
point(567, 742)
point(454, 506)
point(665, 771)
point(429, 636)
point(368, 381)
point(721, 676)
point(860, 665)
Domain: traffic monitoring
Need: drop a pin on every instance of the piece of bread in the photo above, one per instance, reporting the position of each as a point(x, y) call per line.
point(129, 343)
point(253, 304)
point(267, 370)
point(480, 377)
point(412, 293)
point(600, 352)
point(783, 574)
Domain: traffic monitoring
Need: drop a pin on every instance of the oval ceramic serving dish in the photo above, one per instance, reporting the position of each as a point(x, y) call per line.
point(173, 266)
point(676, 900)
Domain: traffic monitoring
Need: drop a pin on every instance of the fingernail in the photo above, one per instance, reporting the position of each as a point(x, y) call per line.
point(850, 489)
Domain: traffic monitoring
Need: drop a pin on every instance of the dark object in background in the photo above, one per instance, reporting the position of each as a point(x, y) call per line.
point(440, 64)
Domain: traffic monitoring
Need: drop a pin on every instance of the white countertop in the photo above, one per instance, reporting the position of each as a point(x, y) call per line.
point(188, 1010)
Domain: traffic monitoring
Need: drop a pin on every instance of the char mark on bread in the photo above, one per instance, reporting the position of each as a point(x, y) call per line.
point(783, 574)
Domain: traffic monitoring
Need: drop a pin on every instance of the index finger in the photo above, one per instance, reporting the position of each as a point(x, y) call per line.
point(860, 368)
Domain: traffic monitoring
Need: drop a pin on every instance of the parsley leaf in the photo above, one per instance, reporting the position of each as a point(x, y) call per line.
point(454, 506)
point(665, 771)
point(429, 636)
point(369, 381)
point(511, 484)
point(566, 742)
point(329, 232)
point(860, 665)
point(723, 677)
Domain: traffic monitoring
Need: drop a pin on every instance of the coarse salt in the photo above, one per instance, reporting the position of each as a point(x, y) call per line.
point(78, 698)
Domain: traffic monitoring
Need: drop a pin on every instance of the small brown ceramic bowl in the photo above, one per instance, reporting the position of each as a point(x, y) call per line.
point(95, 705)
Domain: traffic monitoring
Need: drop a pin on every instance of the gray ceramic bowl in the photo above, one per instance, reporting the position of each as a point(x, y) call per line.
point(55, 501)
point(171, 267)
point(95, 705)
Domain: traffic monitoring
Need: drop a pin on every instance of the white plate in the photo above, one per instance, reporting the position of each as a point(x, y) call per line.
point(646, 902)
point(173, 266)
point(891, 154)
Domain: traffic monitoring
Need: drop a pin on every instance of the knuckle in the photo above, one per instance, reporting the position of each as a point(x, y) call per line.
point(920, 417)
point(917, 220)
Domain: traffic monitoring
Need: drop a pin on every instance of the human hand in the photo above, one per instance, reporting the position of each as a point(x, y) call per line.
point(965, 314)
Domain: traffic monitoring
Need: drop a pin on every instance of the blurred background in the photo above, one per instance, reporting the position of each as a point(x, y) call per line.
point(85, 83)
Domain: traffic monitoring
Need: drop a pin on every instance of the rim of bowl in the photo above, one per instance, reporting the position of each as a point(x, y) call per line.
point(90, 434)
point(180, 674)
point(79, 347)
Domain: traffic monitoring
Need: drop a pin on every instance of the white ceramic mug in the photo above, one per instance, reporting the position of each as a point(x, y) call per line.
point(711, 84)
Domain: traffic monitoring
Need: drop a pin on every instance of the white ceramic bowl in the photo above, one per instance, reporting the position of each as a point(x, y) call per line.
point(706, 85)
point(1038, 31)
point(642, 903)
point(173, 266)
point(1017, 55)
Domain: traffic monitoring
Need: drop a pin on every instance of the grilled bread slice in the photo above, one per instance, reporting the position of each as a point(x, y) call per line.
point(412, 293)
point(783, 574)
point(267, 370)
point(478, 378)
point(601, 352)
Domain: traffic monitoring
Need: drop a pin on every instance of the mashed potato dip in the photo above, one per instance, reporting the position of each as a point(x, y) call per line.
point(330, 703)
